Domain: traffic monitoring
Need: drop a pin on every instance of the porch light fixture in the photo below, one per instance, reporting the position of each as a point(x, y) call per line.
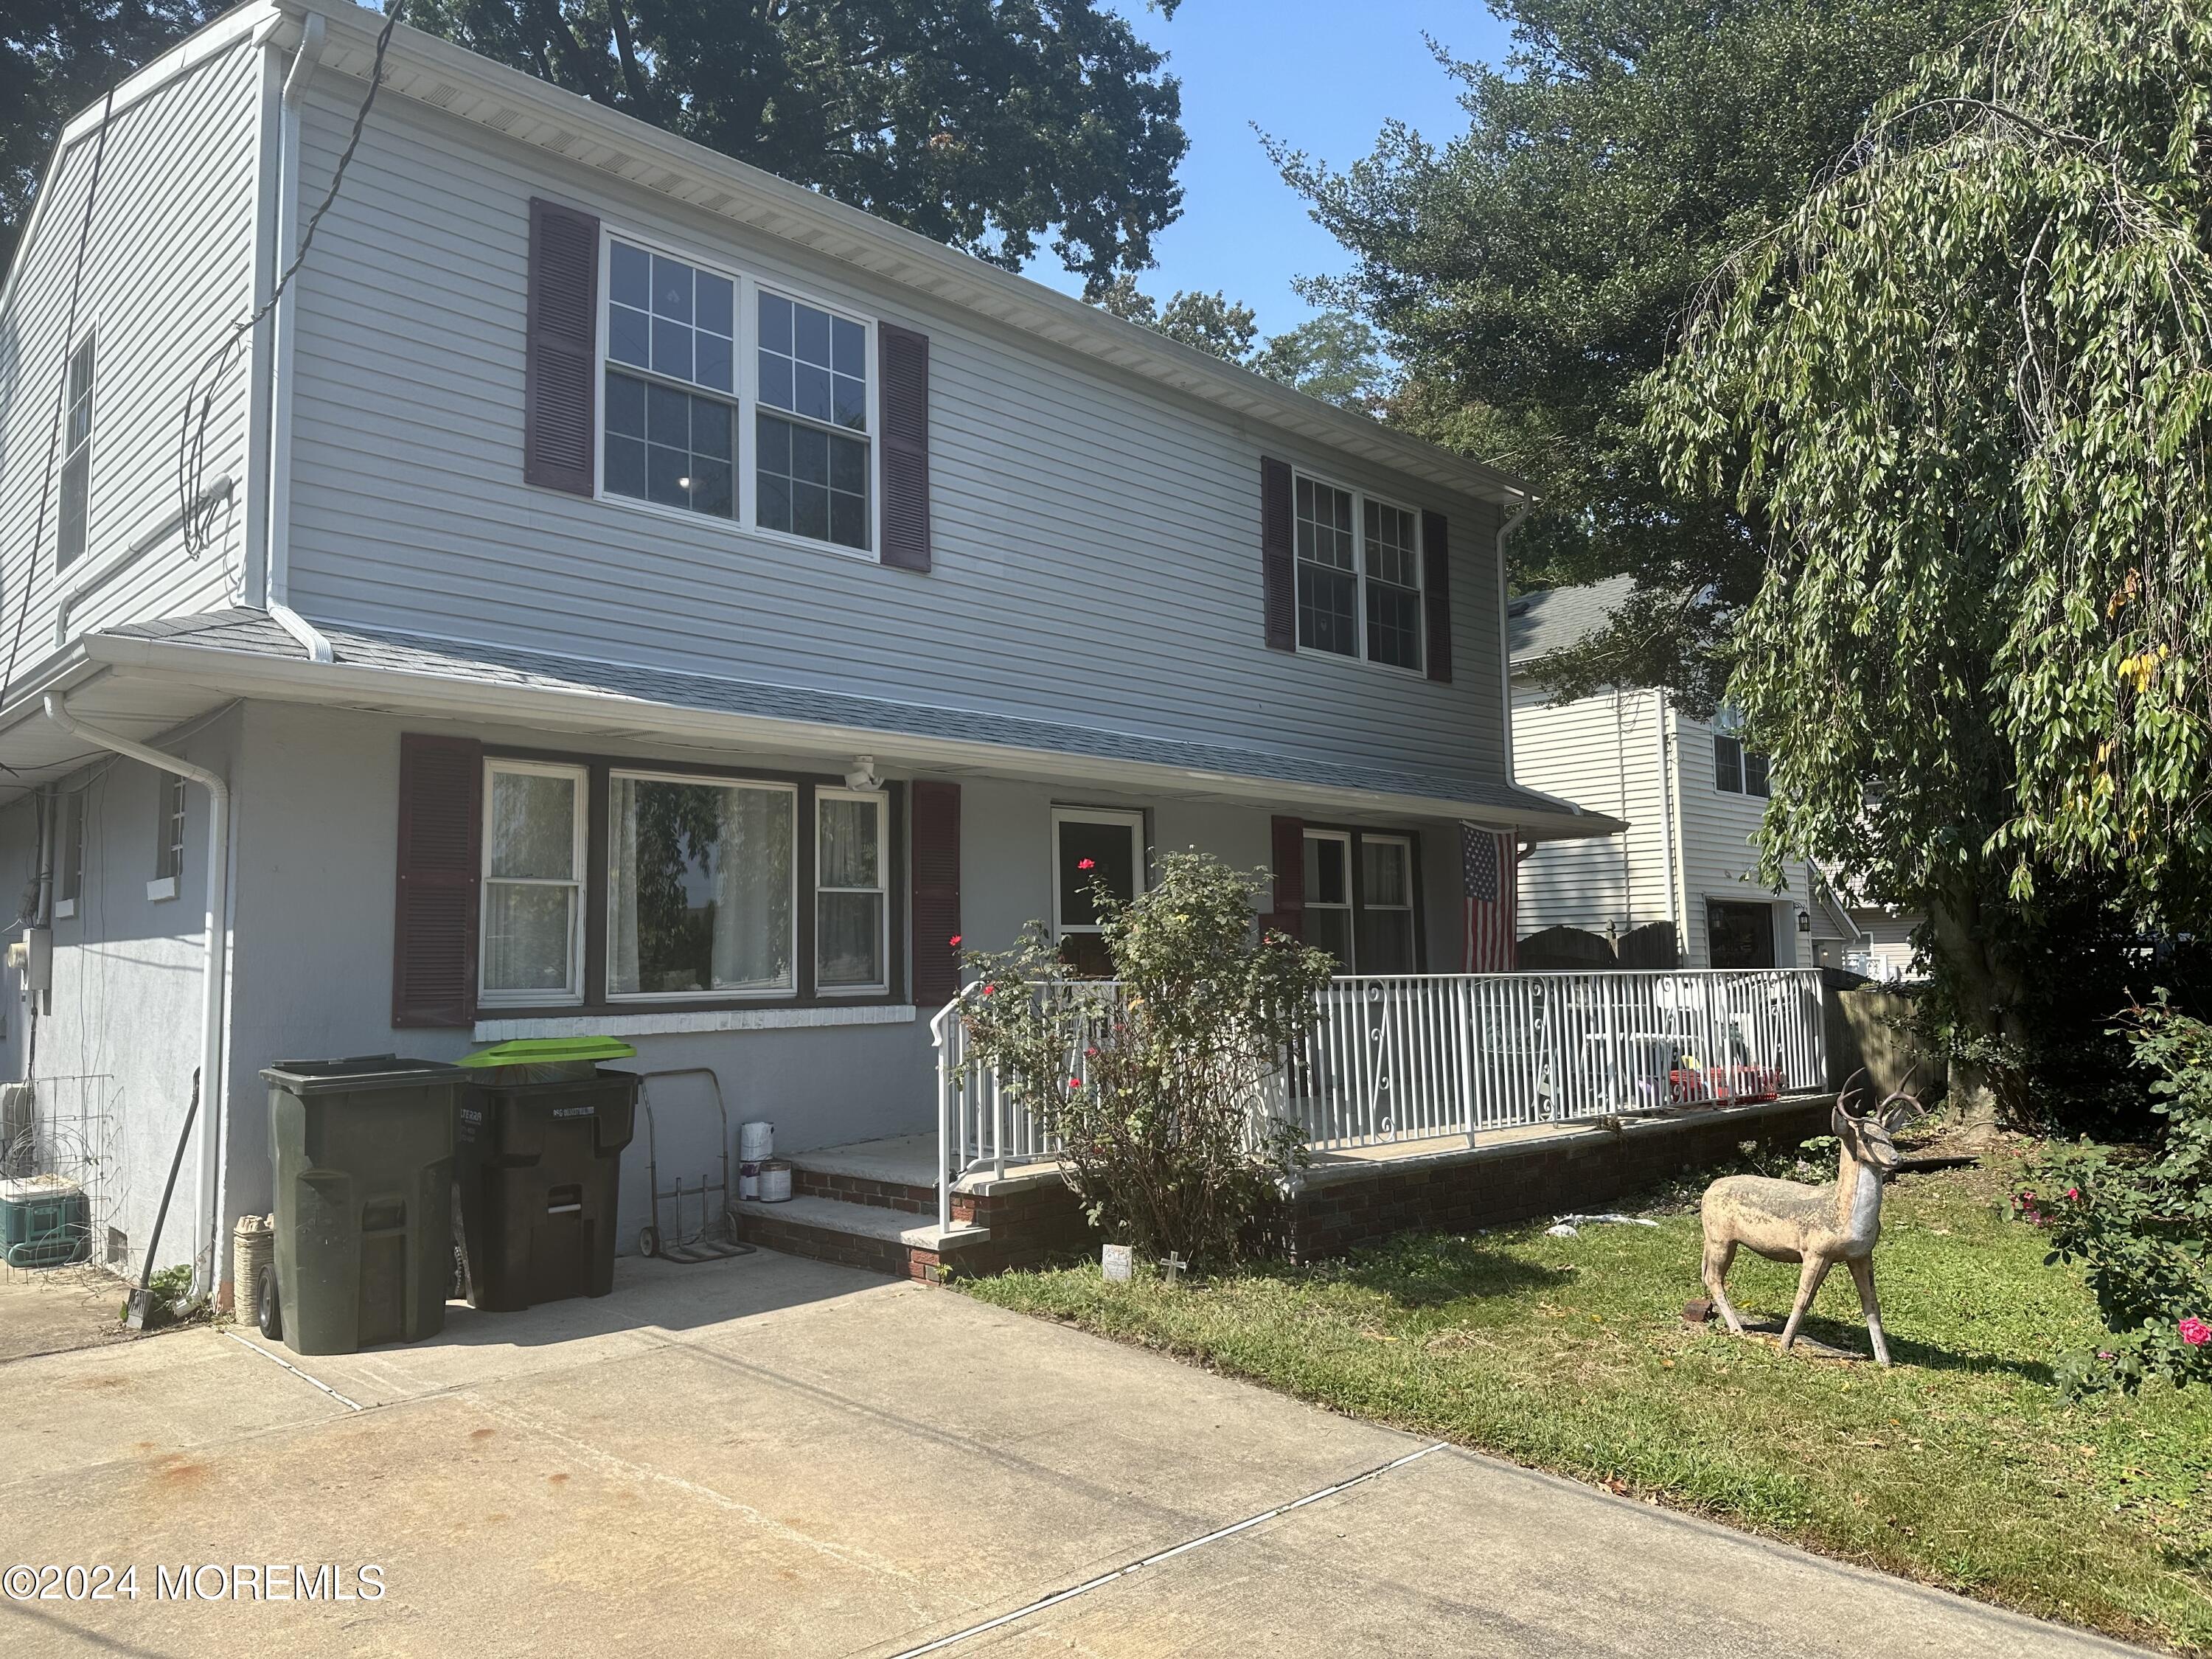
point(1804, 921)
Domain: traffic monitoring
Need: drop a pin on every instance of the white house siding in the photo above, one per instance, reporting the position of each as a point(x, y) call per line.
point(1717, 859)
point(1097, 540)
point(1603, 753)
point(167, 268)
point(113, 1055)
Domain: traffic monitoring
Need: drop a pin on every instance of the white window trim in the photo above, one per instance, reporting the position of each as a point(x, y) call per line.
point(882, 889)
point(1360, 500)
point(90, 337)
point(1405, 845)
point(766, 993)
point(175, 808)
point(1132, 822)
point(1350, 908)
point(744, 399)
point(579, 846)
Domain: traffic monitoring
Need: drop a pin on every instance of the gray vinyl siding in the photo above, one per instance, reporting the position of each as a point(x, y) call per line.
point(167, 268)
point(1096, 540)
point(1603, 753)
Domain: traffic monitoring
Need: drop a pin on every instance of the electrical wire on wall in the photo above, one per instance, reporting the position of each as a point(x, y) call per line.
point(61, 383)
point(215, 370)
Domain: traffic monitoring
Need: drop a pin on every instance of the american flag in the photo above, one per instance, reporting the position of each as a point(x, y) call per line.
point(1488, 875)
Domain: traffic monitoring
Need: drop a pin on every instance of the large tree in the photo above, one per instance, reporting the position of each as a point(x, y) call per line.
point(1966, 390)
point(998, 126)
point(1528, 273)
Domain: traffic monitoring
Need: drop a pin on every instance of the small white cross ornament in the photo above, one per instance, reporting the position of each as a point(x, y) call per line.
point(1173, 1264)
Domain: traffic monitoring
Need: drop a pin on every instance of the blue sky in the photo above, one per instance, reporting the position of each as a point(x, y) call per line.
point(1320, 75)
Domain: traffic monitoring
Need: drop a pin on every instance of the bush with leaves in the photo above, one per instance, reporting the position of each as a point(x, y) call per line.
point(1152, 1083)
point(2142, 1223)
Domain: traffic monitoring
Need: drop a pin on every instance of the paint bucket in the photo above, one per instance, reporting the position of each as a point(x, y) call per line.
point(775, 1183)
point(756, 1142)
point(748, 1179)
point(1118, 1261)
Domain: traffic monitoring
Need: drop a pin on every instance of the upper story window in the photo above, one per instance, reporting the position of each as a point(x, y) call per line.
point(676, 421)
point(76, 455)
point(1359, 575)
point(1738, 770)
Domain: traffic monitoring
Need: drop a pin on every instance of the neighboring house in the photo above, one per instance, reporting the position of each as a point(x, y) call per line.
point(615, 590)
point(1683, 878)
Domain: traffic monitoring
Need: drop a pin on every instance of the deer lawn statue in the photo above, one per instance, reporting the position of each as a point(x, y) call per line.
point(1820, 1226)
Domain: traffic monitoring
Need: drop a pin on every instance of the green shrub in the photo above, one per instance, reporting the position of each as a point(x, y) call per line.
point(2141, 1222)
point(1151, 1092)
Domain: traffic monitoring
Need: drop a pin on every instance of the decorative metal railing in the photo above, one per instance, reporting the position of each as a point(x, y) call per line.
point(1409, 1057)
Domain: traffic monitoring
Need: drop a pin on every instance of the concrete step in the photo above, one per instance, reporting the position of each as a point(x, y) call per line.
point(870, 1236)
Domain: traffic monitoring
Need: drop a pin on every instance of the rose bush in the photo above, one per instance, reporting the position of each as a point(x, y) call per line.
point(2141, 1221)
point(1151, 1086)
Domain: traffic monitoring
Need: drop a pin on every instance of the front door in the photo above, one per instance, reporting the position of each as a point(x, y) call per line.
point(1740, 935)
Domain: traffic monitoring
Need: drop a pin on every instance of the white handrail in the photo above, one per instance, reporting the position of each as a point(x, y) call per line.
point(1404, 1057)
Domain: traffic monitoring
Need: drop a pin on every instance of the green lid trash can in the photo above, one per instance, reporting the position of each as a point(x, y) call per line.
point(364, 1179)
point(542, 1131)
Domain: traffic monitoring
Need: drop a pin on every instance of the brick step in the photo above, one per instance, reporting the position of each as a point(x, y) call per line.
point(857, 1235)
point(890, 1174)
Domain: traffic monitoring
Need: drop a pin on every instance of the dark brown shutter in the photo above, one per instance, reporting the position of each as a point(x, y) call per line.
point(560, 380)
point(433, 944)
point(904, 359)
point(1278, 562)
point(1435, 592)
point(1289, 859)
point(936, 865)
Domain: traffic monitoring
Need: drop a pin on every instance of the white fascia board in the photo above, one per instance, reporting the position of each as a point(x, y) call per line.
point(451, 697)
point(522, 109)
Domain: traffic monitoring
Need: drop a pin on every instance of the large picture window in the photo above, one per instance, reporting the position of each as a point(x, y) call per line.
point(851, 896)
point(1359, 575)
point(533, 883)
point(699, 886)
point(700, 364)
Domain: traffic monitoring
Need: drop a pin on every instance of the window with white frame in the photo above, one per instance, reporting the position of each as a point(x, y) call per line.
point(70, 848)
point(1092, 849)
point(852, 909)
point(671, 405)
point(76, 456)
point(701, 897)
point(1328, 896)
point(813, 425)
point(169, 848)
point(533, 883)
point(1359, 900)
point(1738, 770)
point(1358, 574)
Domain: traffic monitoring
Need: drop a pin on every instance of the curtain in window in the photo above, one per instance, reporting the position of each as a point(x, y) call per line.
point(622, 886)
point(850, 922)
point(752, 892)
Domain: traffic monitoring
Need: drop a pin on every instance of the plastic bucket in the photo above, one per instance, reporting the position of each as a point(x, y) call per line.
point(749, 1180)
point(775, 1183)
point(756, 1142)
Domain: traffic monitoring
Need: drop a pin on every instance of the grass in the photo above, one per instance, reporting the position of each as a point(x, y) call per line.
point(1963, 1467)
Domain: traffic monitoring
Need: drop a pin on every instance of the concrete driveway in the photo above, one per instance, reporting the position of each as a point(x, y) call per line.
point(775, 1456)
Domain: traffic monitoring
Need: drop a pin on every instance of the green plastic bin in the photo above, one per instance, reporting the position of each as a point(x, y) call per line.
point(363, 1150)
point(44, 1222)
point(541, 1137)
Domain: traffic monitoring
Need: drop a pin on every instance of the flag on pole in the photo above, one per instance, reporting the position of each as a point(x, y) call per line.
point(1488, 875)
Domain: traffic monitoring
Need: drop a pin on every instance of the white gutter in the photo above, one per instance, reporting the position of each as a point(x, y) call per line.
point(1505, 632)
point(277, 523)
point(206, 1177)
point(1676, 905)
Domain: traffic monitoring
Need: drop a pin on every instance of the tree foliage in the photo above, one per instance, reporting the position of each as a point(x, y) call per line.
point(1968, 390)
point(1335, 357)
point(56, 57)
point(1212, 323)
point(986, 126)
point(1530, 272)
point(1153, 1089)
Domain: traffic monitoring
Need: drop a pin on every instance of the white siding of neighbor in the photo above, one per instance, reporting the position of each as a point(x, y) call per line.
point(1096, 540)
point(1603, 753)
point(167, 267)
point(1717, 857)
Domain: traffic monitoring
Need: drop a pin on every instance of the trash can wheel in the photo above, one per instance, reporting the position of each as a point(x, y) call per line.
point(266, 1314)
point(648, 1242)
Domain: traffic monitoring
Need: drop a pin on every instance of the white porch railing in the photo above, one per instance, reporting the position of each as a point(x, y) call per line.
point(1419, 1056)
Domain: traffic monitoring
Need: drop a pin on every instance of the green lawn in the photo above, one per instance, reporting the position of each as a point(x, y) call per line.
point(1963, 1467)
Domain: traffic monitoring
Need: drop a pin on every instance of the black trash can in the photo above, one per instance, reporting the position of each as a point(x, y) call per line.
point(363, 1150)
point(540, 1158)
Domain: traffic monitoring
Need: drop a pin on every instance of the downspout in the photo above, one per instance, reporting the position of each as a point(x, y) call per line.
point(1506, 630)
point(1675, 904)
point(276, 526)
point(206, 1176)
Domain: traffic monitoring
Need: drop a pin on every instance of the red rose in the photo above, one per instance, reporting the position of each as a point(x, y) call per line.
point(954, 941)
point(1086, 863)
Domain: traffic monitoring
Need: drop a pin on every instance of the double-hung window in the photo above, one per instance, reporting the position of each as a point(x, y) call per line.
point(700, 895)
point(76, 456)
point(1359, 900)
point(688, 385)
point(1359, 575)
point(533, 883)
point(169, 848)
point(852, 900)
point(671, 413)
point(1738, 770)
